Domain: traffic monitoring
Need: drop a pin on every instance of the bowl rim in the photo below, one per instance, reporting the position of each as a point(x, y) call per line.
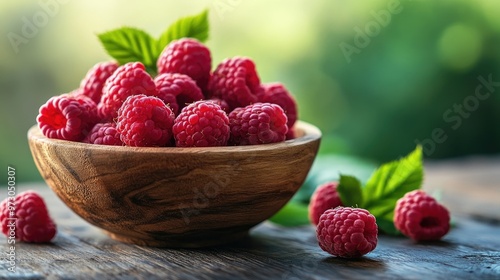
point(310, 134)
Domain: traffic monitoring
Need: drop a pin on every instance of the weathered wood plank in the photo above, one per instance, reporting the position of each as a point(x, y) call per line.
point(81, 251)
point(468, 186)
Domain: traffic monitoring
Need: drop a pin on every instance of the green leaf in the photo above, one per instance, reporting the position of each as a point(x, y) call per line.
point(191, 26)
point(386, 225)
point(390, 182)
point(350, 191)
point(394, 179)
point(292, 214)
point(129, 44)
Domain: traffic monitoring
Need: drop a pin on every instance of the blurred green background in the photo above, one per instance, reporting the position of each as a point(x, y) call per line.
point(375, 76)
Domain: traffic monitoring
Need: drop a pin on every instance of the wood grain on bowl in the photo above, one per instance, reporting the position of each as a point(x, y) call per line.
point(175, 197)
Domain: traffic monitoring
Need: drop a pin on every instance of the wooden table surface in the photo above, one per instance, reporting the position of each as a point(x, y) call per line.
point(469, 187)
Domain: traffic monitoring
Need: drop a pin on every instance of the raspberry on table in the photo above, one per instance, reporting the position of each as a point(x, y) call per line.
point(187, 56)
point(145, 121)
point(259, 123)
point(347, 232)
point(96, 77)
point(420, 217)
point(235, 80)
point(104, 134)
point(277, 93)
point(177, 90)
point(324, 197)
point(129, 79)
point(201, 124)
point(32, 219)
point(67, 117)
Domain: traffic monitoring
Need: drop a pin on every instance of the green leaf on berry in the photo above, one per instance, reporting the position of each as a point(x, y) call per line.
point(350, 191)
point(129, 44)
point(191, 26)
point(389, 183)
point(292, 214)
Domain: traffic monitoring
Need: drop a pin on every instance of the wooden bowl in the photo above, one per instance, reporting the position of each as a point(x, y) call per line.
point(175, 197)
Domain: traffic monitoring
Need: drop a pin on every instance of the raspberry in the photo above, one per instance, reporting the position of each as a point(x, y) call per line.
point(187, 56)
point(420, 217)
point(291, 134)
point(201, 124)
point(95, 79)
point(259, 123)
point(277, 93)
point(347, 232)
point(67, 117)
point(324, 197)
point(177, 90)
point(236, 81)
point(129, 79)
point(223, 104)
point(32, 220)
point(104, 134)
point(145, 121)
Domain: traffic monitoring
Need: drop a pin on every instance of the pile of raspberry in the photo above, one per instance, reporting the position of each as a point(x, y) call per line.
point(185, 105)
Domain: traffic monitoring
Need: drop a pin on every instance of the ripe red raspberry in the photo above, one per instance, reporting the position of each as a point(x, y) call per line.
point(145, 121)
point(201, 124)
point(291, 134)
point(26, 217)
point(259, 123)
point(347, 232)
point(129, 79)
point(187, 56)
point(324, 197)
point(104, 134)
point(67, 117)
point(277, 93)
point(420, 217)
point(223, 104)
point(95, 79)
point(177, 90)
point(236, 81)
